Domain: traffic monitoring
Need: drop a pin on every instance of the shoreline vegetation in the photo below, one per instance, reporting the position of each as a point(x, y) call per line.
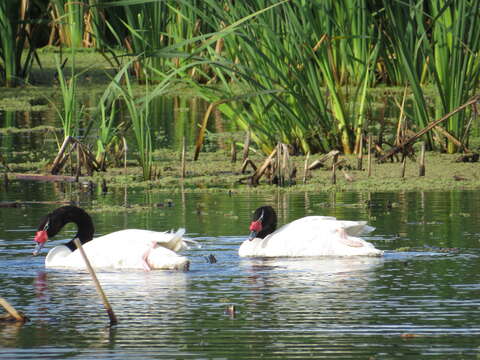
point(299, 80)
point(215, 172)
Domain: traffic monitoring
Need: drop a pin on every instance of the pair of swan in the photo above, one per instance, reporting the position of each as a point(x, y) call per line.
point(149, 250)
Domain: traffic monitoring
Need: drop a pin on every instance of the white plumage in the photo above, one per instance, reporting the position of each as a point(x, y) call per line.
point(126, 249)
point(313, 236)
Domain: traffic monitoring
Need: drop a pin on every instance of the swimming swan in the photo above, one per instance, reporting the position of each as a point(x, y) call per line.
point(308, 236)
point(124, 249)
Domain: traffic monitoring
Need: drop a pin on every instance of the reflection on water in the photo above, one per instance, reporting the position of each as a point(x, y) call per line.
point(404, 305)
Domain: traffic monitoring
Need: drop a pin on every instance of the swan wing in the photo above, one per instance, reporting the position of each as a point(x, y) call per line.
point(124, 249)
point(312, 236)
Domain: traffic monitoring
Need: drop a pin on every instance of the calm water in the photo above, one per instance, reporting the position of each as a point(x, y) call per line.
point(407, 305)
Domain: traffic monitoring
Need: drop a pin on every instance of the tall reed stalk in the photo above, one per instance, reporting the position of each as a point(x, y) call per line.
point(284, 58)
point(69, 20)
point(107, 132)
point(72, 112)
point(456, 66)
point(140, 118)
point(15, 39)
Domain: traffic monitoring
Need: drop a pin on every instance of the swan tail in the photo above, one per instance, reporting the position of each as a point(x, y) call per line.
point(359, 228)
point(175, 242)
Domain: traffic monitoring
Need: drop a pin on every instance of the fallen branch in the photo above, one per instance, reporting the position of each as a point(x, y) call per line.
point(320, 162)
point(84, 157)
point(41, 177)
point(246, 163)
point(429, 127)
point(259, 173)
point(15, 204)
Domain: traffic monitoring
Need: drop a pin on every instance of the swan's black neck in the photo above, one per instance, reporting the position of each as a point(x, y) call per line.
point(268, 218)
point(58, 218)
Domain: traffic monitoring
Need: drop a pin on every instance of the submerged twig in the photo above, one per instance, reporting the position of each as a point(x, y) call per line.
point(12, 312)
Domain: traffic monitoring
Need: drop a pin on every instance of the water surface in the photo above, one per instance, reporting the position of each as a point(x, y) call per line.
point(422, 302)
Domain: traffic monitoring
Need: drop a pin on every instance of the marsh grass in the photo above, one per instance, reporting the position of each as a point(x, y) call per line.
point(17, 50)
point(296, 72)
point(72, 112)
point(109, 133)
point(140, 119)
point(68, 17)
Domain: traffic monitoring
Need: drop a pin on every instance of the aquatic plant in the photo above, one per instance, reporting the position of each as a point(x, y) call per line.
point(68, 17)
point(455, 50)
point(140, 118)
point(283, 67)
point(297, 72)
point(108, 132)
point(406, 36)
point(71, 113)
point(16, 37)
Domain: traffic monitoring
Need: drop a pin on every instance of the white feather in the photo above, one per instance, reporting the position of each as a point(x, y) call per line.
point(313, 236)
point(126, 249)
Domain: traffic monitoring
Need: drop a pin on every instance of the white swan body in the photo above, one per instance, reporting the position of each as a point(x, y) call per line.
point(313, 236)
point(125, 249)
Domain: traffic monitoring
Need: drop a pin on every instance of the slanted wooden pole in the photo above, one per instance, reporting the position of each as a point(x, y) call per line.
point(421, 169)
point(58, 159)
point(11, 310)
point(111, 314)
point(260, 171)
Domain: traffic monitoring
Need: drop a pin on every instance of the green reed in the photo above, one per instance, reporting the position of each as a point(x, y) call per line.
point(456, 66)
point(441, 45)
point(71, 113)
point(17, 50)
point(284, 60)
point(108, 132)
point(68, 18)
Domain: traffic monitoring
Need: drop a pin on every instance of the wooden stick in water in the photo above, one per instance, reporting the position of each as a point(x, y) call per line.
point(11, 310)
point(334, 169)
point(305, 168)
point(404, 165)
point(421, 169)
point(111, 314)
point(125, 151)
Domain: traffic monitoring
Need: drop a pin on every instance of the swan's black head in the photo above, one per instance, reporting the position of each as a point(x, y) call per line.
point(264, 222)
point(52, 223)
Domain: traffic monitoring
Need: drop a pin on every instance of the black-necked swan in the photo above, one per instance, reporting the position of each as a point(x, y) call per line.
point(124, 249)
point(307, 236)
